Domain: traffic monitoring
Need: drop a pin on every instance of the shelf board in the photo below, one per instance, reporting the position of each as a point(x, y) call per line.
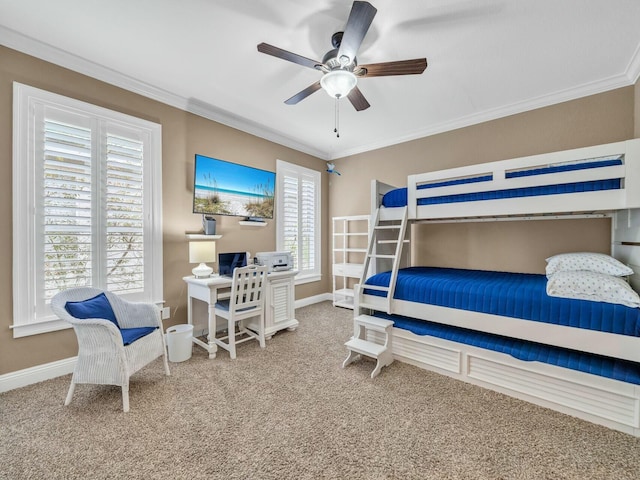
point(345, 292)
point(353, 218)
point(344, 305)
point(201, 236)
point(252, 224)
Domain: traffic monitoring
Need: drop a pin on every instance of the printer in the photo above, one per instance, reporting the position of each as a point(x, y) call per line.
point(275, 261)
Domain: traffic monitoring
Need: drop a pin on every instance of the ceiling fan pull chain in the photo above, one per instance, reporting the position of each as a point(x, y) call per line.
point(336, 120)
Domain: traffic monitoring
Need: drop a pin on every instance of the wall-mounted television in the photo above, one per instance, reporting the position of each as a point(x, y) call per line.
point(225, 188)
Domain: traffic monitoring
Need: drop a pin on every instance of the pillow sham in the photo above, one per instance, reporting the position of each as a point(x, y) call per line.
point(592, 262)
point(594, 286)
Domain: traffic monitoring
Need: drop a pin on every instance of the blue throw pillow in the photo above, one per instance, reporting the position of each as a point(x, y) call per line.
point(96, 307)
point(130, 335)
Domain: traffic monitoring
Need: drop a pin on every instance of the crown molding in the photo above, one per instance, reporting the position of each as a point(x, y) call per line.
point(17, 41)
point(633, 70)
point(30, 46)
point(611, 83)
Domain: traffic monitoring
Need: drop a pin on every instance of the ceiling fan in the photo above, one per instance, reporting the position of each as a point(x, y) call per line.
point(340, 66)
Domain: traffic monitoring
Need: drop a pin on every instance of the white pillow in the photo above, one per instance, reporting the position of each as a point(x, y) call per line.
point(592, 262)
point(594, 286)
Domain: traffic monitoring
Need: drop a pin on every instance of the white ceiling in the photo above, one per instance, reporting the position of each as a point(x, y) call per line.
point(487, 59)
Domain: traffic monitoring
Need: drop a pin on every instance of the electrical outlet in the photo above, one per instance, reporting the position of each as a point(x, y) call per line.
point(166, 313)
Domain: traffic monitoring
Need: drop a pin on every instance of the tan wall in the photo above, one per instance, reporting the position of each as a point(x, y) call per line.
point(522, 246)
point(183, 135)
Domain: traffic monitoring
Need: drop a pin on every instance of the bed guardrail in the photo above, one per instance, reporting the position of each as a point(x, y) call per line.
point(615, 168)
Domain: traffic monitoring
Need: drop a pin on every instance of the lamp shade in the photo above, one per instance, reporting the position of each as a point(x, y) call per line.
point(202, 252)
point(338, 83)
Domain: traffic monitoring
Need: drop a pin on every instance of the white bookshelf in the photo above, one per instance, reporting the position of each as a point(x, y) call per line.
point(349, 246)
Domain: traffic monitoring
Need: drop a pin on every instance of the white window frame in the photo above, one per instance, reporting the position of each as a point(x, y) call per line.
point(285, 168)
point(27, 101)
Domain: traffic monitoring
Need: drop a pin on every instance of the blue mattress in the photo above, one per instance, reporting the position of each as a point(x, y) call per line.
point(517, 295)
point(616, 369)
point(398, 197)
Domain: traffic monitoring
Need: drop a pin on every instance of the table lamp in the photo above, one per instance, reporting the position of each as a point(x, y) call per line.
point(202, 252)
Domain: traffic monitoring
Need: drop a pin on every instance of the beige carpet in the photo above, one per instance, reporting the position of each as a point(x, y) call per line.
point(291, 412)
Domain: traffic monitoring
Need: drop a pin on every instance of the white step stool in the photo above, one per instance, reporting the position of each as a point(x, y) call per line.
point(359, 345)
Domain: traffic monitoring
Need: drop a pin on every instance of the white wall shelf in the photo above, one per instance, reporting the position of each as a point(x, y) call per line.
point(247, 223)
point(201, 236)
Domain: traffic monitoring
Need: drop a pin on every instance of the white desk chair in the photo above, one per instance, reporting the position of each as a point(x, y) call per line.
point(246, 301)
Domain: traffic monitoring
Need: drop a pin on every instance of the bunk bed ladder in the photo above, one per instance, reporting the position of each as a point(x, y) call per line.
point(379, 227)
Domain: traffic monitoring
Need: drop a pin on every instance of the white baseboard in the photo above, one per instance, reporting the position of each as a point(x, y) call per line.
point(36, 374)
point(305, 302)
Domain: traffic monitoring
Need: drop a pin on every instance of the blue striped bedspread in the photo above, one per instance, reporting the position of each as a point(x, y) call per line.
point(517, 295)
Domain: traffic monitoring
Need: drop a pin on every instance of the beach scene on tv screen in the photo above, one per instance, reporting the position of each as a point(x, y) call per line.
point(225, 188)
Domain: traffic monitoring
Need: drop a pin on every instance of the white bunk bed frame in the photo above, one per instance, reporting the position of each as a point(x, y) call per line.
point(604, 401)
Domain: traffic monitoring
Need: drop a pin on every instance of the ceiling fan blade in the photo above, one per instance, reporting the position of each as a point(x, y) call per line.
point(360, 19)
point(357, 99)
point(303, 94)
point(289, 56)
point(401, 67)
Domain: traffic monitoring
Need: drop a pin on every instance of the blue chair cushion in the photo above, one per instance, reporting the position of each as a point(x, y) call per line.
point(224, 305)
point(96, 307)
point(130, 335)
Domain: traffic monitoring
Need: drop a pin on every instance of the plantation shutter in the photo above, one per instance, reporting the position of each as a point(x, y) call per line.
point(291, 215)
point(307, 246)
point(125, 226)
point(68, 206)
point(298, 232)
point(93, 190)
point(87, 205)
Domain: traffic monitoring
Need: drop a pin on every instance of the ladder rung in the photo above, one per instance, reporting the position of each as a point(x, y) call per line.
point(381, 256)
point(387, 227)
point(380, 242)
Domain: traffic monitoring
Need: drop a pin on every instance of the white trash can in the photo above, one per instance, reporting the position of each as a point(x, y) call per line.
point(180, 342)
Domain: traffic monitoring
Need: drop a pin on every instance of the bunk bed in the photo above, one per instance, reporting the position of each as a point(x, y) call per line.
point(576, 356)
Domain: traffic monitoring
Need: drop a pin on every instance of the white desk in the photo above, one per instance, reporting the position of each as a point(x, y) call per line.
point(279, 300)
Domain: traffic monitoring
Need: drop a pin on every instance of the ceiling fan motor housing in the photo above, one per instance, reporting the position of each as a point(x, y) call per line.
point(331, 60)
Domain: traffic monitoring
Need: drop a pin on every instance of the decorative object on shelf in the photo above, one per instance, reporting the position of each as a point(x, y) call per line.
point(202, 252)
point(331, 168)
point(208, 225)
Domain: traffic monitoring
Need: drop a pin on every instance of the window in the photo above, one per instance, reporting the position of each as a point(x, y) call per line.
point(87, 205)
point(298, 218)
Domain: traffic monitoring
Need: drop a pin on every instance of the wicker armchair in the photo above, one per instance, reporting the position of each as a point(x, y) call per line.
point(103, 357)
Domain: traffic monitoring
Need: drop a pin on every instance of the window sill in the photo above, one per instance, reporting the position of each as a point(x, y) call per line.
point(46, 326)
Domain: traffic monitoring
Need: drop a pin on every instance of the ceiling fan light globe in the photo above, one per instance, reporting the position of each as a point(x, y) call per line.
point(338, 83)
